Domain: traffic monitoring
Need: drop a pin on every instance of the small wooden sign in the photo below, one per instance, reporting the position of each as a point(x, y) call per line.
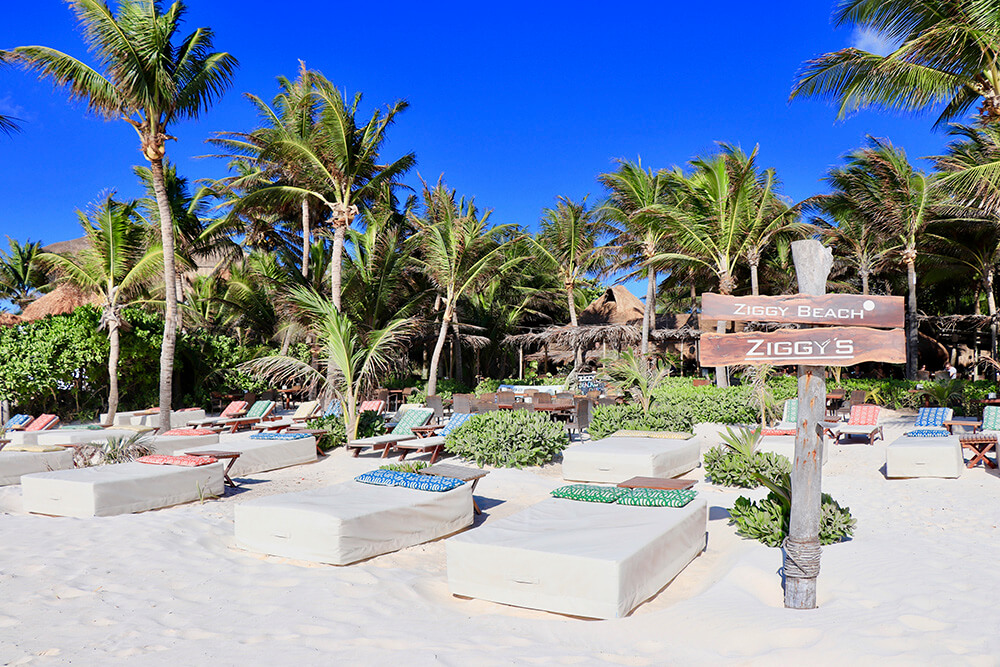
point(837, 309)
point(830, 346)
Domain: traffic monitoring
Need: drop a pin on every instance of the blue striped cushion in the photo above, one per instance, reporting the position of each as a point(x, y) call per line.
point(278, 436)
point(456, 420)
point(933, 416)
point(928, 433)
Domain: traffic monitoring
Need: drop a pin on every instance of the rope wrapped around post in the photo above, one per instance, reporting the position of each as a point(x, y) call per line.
point(801, 558)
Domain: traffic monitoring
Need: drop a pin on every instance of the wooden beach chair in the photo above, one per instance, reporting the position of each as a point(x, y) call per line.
point(234, 409)
point(258, 412)
point(863, 422)
point(402, 431)
point(433, 442)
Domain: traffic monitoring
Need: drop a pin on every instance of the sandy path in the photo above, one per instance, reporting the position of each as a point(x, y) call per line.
point(917, 584)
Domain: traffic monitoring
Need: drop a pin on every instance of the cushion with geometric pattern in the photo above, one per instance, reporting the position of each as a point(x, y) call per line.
point(454, 422)
point(372, 406)
point(928, 433)
point(658, 497)
point(933, 416)
point(260, 409)
point(864, 415)
point(190, 431)
point(778, 431)
point(663, 435)
point(991, 418)
point(278, 436)
point(790, 414)
point(186, 461)
point(589, 493)
point(408, 480)
point(412, 417)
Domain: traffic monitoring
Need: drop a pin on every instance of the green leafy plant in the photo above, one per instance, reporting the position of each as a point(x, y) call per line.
point(738, 463)
point(508, 439)
point(446, 388)
point(369, 424)
point(757, 377)
point(632, 373)
point(606, 419)
point(944, 393)
point(767, 520)
point(406, 466)
point(122, 449)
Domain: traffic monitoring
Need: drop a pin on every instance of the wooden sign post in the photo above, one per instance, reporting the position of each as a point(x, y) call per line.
point(849, 342)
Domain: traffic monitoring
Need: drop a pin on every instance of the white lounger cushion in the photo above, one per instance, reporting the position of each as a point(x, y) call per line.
point(586, 559)
point(15, 464)
point(178, 418)
point(379, 440)
point(349, 522)
point(617, 458)
point(118, 489)
point(72, 436)
point(168, 444)
point(924, 457)
point(785, 445)
point(261, 455)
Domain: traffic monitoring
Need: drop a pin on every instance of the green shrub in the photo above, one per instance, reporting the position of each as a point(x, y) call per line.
point(508, 439)
point(607, 419)
point(728, 468)
point(446, 388)
point(491, 385)
point(767, 520)
point(369, 424)
point(405, 466)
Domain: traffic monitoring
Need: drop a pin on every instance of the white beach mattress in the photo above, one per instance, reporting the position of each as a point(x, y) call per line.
point(348, 522)
point(260, 455)
point(70, 436)
point(118, 489)
point(585, 559)
point(924, 457)
point(177, 419)
point(15, 464)
point(169, 444)
point(785, 445)
point(617, 458)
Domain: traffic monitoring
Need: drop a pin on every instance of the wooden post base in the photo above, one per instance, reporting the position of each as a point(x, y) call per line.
point(800, 593)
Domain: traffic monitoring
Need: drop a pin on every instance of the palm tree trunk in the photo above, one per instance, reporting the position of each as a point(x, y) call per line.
point(650, 308)
point(115, 347)
point(864, 282)
point(991, 303)
point(169, 297)
point(336, 264)
point(306, 238)
point(573, 322)
point(436, 357)
point(911, 312)
point(754, 284)
point(459, 374)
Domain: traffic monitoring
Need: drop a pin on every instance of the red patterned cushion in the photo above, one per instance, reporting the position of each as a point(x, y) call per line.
point(187, 461)
point(44, 422)
point(864, 415)
point(778, 431)
point(189, 409)
point(190, 431)
point(233, 408)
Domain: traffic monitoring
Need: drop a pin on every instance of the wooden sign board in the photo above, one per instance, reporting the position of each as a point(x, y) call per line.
point(830, 346)
point(837, 309)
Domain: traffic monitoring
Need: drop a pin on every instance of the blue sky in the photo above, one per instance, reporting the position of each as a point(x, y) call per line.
point(515, 103)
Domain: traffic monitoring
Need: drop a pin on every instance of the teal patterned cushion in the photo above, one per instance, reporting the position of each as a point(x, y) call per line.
point(991, 418)
point(658, 497)
point(408, 480)
point(928, 433)
point(411, 418)
point(791, 413)
point(260, 408)
point(589, 493)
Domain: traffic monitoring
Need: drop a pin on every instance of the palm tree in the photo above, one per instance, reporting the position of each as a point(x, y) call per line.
point(21, 277)
point(638, 202)
point(150, 82)
point(8, 125)
point(857, 244)
point(117, 264)
point(359, 358)
point(948, 54)
point(898, 200)
point(569, 243)
point(339, 166)
point(458, 253)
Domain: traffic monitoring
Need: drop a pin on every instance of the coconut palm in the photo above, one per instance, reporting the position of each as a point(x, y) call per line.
point(947, 53)
point(639, 201)
point(899, 201)
point(150, 80)
point(339, 165)
point(21, 276)
point(8, 125)
point(359, 357)
point(855, 241)
point(117, 264)
point(569, 244)
point(458, 253)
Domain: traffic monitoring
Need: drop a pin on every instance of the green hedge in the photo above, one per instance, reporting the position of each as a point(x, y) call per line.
point(492, 385)
point(508, 439)
point(607, 419)
point(369, 424)
point(446, 388)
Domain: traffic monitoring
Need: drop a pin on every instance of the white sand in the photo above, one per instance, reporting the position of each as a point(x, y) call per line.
point(918, 584)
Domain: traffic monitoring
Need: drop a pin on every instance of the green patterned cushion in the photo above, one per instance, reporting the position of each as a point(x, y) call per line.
point(260, 408)
point(991, 418)
point(657, 497)
point(589, 493)
point(791, 414)
point(412, 417)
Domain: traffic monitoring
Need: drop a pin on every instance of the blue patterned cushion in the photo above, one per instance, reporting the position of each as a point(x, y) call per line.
point(456, 420)
point(333, 409)
point(657, 497)
point(278, 436)
point(933, 416)
point(928, 433)
point(408, 480)
point(17, 420)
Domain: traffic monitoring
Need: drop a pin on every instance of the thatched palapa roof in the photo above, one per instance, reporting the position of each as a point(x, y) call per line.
point(62, 300)
point(9, 319)
point(616, 306)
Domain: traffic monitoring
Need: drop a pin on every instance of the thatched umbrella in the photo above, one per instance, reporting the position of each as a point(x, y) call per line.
point(62, 300)
point(9, 319)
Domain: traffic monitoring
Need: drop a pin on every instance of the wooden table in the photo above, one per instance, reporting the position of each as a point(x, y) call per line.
point(458, 472)
point(552, 407)
point(314, 432)
point(959, 421)
point(4, 442)
point(232, 456)
point(980, 444)
point(286, 396)
point(657, 483)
